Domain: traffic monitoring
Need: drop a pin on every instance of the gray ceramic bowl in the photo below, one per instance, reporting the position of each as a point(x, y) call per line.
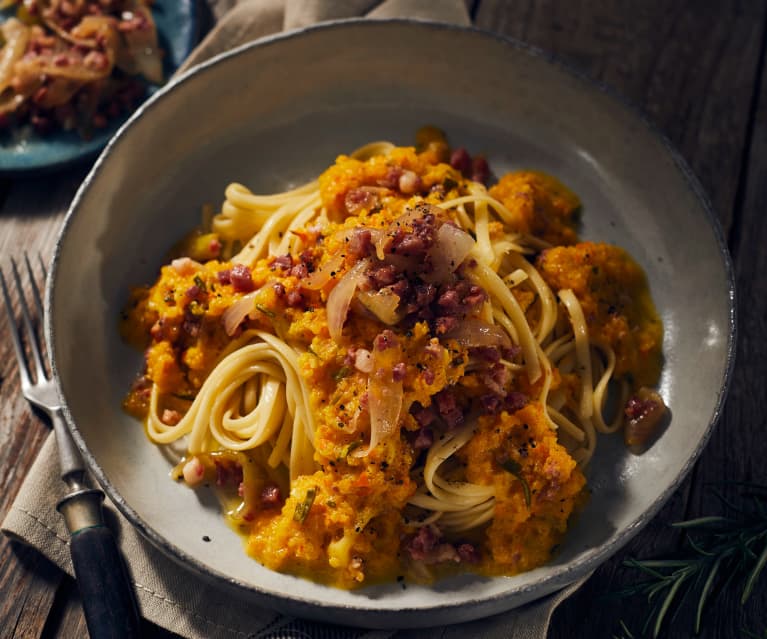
point(275, 113)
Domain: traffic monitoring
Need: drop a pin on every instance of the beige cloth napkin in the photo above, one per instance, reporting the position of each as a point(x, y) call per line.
point(168, 594)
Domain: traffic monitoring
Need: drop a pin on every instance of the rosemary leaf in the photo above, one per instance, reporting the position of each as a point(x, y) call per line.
point(302, 509)
point(625, 632)
point(265, 311)
point(705, 591)
point(701, 521)
point(699, 549)
point(342, 372)
point(667, 604)
point(513, 467)
point(754, 576)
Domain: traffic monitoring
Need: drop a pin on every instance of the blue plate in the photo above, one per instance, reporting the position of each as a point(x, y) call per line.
point(22, 151)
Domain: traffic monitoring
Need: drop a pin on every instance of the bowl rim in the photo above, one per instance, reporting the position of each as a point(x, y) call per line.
point(560, 576)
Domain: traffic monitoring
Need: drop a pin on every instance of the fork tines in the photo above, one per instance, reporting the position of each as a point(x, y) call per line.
point(28, 328)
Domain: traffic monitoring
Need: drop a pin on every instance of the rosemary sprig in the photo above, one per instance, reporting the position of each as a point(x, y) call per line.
point(718, 551)
point(515, 469)
point(625, 633)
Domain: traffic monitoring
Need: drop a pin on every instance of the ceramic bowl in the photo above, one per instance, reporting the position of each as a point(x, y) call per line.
point(275, 113)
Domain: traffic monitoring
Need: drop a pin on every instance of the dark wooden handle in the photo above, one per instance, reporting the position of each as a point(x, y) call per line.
point(108, 599)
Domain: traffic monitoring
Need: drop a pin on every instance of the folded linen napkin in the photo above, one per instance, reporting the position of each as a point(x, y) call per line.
point(168, 594)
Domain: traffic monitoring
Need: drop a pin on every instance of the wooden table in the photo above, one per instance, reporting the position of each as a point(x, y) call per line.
point(697, 69)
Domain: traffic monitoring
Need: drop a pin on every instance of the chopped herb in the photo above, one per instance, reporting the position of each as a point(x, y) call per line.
point(302, 509)
point(341, 373)
point(265, 310)
point(515, 469)
point(199, 283)
point(449, 184)
point(352, 446)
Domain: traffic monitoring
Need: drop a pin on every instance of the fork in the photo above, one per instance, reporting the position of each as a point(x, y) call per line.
point(108, 599)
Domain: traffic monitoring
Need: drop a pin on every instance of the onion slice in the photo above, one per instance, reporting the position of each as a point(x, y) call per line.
point(643, 414)
point(473, 332)
point(450, 249)
point(324, 274)
point(16, 36)
point(141, 54)
point(383, 304)
point(237, 312)
point(385, 405)
point(341, 296)
point(385, 397)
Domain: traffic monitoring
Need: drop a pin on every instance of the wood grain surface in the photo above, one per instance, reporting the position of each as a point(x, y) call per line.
point(696, 70)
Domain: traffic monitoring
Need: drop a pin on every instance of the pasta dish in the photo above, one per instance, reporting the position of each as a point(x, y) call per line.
point(396, 371)
point(75, 64)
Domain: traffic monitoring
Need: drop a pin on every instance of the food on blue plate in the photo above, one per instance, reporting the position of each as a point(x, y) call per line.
point(394, 371)
point(75, 64)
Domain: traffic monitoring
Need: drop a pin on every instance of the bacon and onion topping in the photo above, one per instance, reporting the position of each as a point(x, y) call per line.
point(407, 269)
point(643, 414)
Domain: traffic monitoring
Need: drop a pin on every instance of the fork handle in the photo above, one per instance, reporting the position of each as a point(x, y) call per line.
point(102, 577)
point(70, 460)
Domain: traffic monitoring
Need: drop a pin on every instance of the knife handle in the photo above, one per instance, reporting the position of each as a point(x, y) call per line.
point(102, 578)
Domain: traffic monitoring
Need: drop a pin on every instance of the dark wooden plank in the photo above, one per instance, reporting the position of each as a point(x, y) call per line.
point(28, 584)
point(691, 68)
point(67, 620)
point(689, 65)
